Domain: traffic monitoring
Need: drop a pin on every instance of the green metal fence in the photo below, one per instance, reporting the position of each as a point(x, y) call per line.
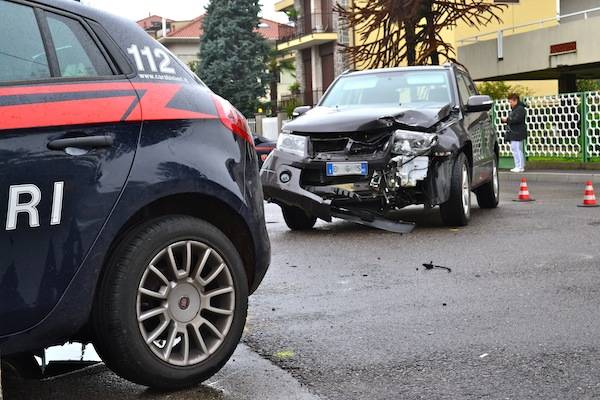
point(564, 127)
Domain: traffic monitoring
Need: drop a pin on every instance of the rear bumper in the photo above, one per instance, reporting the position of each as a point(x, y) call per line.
point(254, 215)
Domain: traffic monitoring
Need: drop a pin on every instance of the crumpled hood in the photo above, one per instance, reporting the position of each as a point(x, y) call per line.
point(325, 119)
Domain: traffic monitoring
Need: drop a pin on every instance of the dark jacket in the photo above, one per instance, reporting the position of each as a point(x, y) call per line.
point(517, 128)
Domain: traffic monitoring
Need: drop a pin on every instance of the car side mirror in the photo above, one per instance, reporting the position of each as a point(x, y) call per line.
point(479, 103)
point(298, 111)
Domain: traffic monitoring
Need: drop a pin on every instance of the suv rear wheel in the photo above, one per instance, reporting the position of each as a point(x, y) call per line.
point(488, 195)
point(457, 210)
point(172, 304)
point(297, 219)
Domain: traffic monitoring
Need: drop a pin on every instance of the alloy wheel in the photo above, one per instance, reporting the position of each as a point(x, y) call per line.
point(496, 181)
point(466, 191)
point(185, 303)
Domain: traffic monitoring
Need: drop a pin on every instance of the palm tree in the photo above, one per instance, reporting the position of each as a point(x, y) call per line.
point(276, 65)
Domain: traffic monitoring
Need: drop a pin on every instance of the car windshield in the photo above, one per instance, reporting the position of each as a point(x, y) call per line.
point(385, 89)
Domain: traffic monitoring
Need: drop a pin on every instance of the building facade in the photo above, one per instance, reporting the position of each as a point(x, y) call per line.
point(314, 41)
point(550, 44)
point(182, 38)
point(543, 45)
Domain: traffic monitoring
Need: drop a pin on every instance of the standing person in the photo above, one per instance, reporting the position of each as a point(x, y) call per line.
point(516, 130)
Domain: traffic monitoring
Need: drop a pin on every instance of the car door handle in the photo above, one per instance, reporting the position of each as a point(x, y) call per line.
point(83, 142)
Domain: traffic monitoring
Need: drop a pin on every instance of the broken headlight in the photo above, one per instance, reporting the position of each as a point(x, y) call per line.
point(293, 144)
point(411, 143)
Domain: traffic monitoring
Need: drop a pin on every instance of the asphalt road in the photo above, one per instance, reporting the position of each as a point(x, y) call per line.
point(347, 312)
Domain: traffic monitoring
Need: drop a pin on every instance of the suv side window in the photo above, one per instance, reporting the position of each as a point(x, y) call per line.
point(471, 86)
point(465, 88)
point(77, 54)
point(22, 53)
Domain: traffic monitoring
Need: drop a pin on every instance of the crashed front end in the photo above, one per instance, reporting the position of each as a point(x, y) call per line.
point(385, 165)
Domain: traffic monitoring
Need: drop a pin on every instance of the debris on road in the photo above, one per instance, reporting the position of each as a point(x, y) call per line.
point(285, 354)
point(431, 266)
point(484, 355)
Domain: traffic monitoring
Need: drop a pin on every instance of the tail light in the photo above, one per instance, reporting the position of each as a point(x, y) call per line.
point(233, 119)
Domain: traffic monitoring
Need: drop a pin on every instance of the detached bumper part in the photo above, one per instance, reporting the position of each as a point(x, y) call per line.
point(376, 222)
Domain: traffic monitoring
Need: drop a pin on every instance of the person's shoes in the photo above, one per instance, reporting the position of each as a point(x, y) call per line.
point(521, 170)
point(515, 170)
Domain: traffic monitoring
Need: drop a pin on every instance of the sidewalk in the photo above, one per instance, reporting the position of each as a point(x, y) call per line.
point(554, 176)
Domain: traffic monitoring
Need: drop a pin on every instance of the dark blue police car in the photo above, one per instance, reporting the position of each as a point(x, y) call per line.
point(131, 203)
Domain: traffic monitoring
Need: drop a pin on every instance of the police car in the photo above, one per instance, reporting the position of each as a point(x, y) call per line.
point(131, 203)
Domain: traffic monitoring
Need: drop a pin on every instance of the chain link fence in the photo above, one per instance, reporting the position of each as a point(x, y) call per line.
point(565, 126)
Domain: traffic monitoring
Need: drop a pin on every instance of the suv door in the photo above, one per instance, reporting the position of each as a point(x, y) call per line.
point(477, 125)
point(68, 137)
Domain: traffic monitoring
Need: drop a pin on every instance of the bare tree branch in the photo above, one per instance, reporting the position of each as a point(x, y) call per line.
point(397, 32)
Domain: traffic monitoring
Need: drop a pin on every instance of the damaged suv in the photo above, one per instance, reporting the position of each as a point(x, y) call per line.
point(381, 140)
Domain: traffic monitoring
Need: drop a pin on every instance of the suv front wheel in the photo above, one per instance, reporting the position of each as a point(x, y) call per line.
point(488, 195)
point(172, 303)
point(457, 210)
point(297, 219)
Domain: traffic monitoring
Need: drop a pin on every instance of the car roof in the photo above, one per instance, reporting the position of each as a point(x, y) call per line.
point(76, 7)
point(399, 69)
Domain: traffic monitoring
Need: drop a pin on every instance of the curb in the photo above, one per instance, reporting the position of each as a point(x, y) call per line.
point(553, 177)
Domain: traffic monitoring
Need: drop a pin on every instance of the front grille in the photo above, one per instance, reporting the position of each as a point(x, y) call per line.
point(349, 143)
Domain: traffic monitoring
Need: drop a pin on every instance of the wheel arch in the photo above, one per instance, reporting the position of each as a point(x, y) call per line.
point(205, 207)
point(467, 148)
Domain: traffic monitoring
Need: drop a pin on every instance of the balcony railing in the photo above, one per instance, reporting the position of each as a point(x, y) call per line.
point(307, 25)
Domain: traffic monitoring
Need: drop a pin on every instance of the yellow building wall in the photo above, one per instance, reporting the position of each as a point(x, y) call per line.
point(525, 12)
point(514, 14)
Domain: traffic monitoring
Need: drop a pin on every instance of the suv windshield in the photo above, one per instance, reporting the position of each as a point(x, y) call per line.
point(385, 89)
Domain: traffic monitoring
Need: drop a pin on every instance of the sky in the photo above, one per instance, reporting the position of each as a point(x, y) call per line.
point(173, 9)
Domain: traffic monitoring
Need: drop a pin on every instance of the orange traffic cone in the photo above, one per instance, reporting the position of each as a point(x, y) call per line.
point(589, 198)
point(524, 192)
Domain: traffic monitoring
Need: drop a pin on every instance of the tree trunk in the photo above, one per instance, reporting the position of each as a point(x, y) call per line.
point(274, 97)
point(431, 32)
point(411, 43)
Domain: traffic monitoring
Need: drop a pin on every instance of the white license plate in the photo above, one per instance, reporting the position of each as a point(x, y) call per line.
point(347, 168)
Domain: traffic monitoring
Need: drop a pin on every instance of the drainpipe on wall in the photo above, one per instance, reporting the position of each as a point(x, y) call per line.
point(500, 44)
point(558, 10)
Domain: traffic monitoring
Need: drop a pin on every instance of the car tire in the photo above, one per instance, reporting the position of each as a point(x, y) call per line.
point(297, 219)
point(199, 296)
point(457, 210)
point(488, 195)
point(21, 367)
